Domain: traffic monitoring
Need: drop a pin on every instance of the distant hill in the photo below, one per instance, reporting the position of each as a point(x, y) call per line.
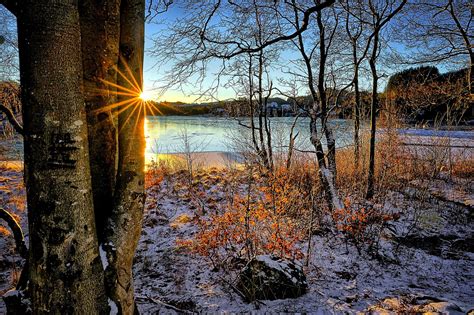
point(182, 109)
point(423, 94)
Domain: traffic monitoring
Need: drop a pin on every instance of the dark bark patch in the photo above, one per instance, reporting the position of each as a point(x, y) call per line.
point(126, 51)
point(102, 116)
point(45, 207)
point(53, 263)
point(60, 150)
point(37, 247)
point(129, 176)
point(72, 248)
point(57, 235)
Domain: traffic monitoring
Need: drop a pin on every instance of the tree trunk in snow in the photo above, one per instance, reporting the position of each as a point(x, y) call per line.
point(66, 275)
point(325, 175)
point(126, 221)
point(100, 30)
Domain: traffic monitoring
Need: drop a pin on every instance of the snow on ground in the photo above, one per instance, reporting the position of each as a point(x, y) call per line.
point(340, 279)
point(460, 134)
point(429, 252)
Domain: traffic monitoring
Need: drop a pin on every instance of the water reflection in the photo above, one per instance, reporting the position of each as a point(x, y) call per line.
point(177, 134)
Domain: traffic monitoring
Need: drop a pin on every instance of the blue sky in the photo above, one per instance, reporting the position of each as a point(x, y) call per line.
point(153, 75)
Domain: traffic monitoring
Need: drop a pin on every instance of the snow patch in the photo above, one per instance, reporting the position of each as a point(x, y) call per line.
point(113, 307)
point(78, 123)
point(103, 257)
point(330, 180)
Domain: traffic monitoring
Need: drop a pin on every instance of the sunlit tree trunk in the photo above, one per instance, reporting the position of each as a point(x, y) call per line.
point(100, 30)
point(66, 276)
point(125, 223)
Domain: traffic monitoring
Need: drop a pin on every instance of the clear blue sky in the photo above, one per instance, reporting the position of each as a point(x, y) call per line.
point(153, 75)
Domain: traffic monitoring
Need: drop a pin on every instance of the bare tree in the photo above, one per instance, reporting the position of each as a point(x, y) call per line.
point(355, 33)
point(320, 109)
point(381, 13)
point(440, 31)
point(213, 31)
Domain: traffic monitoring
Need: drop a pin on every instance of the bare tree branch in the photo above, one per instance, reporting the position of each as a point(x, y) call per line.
point(240, 49)
point(11, 118)
point(17, 232)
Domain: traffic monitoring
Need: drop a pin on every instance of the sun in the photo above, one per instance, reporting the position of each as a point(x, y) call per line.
point(145, 96)
point(131, 99)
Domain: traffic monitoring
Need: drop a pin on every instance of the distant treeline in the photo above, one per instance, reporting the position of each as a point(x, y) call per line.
point(182, 109)
point(424, 95)
point(416, 95)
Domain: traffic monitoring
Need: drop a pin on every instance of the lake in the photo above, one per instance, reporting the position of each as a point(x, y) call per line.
point(166, 134)
point(173, 134)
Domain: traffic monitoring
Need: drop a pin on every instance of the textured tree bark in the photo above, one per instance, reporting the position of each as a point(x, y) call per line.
point(126, 221)
point(325, 175)
point(66, 276)
point(100, 30)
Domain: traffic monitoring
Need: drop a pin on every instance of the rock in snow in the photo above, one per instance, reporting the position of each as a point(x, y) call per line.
point(268, 277)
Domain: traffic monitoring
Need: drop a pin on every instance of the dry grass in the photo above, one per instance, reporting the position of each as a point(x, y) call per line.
point(263, 202)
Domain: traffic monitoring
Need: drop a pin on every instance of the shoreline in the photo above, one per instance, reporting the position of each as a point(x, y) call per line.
point(414, 139)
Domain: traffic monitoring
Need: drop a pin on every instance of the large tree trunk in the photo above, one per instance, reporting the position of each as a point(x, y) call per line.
point(100, 30)
point(66, 275)
point(125, 225)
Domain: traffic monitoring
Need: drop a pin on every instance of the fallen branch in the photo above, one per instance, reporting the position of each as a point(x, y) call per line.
point(17, 232)
point(167, 305)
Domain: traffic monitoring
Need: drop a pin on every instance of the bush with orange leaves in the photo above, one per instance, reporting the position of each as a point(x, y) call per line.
point(261, 219)
point(362, 226)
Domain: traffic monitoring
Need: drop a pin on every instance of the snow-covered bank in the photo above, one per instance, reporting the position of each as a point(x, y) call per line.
point(460, 134)
point(411, 264)
point(424, 255)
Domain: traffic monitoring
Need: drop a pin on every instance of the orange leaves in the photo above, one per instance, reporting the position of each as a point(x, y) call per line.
point(247, 228)
point(358, 223)
point(247, 214)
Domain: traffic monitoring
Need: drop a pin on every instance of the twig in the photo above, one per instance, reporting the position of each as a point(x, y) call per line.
point(240, 293)
point(169, 306)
